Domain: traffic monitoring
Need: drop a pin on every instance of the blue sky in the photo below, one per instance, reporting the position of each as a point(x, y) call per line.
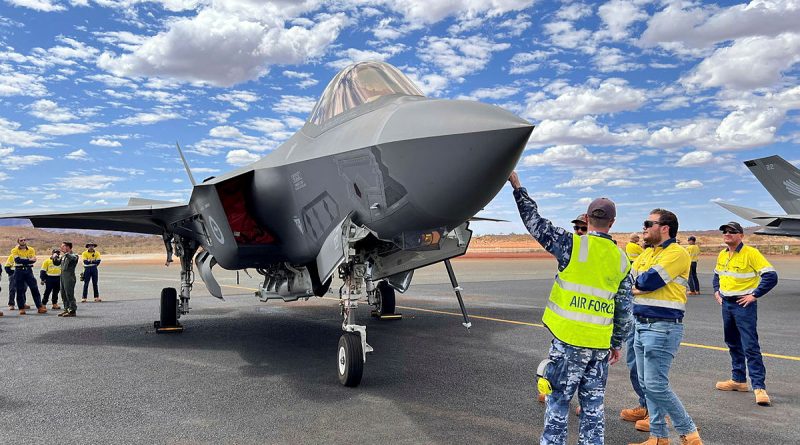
point(653, 104)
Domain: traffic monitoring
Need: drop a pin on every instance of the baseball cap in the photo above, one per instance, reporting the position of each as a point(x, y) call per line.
point(602, 208)
point(580, 219)
point(733, 225)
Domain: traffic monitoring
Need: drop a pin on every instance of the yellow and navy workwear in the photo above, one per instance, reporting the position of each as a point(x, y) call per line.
point(90, 262)
point(633, 250)
point(743, 272)
point(51, 276)
point(662, 273)
point(580, 311)
point(23, 275)
point(694, 252)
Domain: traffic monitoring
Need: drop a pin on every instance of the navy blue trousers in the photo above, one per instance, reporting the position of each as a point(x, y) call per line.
point(741, 336)
point(12, 289)
point(52, 286)
point(25, 280)
point(90, 274)
point(694, 283)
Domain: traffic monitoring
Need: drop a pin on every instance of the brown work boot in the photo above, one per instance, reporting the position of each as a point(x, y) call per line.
point(55, 307)
point(1, 314)
point(27, 306)
point(730, 385)
point(22, 311)
point(541, 398)
point(762, 398)
point(691, 439)
point(97, 300)
point(644, 424)
point(42, 310)
point(634, 414)
point(653, 440)
point(11, 307)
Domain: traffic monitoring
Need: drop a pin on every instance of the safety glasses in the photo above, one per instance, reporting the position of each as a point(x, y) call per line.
point(729, 232)
point(647, 223)
point(580, 228)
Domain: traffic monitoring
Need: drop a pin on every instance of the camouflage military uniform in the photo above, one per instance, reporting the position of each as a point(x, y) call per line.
point(575, 369)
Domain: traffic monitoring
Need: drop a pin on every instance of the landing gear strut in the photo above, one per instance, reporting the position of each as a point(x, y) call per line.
point(171, 306)
point(353, 347)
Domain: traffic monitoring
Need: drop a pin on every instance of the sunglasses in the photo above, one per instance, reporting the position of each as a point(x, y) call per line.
point(580, 228)
point(729, 232)
point(647, 223)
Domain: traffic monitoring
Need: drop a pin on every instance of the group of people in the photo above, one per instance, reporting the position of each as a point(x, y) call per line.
point(57, 274)
point(604, 298)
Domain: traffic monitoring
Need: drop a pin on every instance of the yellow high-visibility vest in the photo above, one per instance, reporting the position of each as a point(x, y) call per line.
point(580, 311)
point(740, 273)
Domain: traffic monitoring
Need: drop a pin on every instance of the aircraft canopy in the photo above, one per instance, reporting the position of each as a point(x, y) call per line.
point(359, 84)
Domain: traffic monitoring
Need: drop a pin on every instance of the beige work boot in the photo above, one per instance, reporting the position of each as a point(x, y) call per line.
point(56, 307)
point(634, 414)
point(691, 439)
point(653, 440)
point(83, 300)
point(42, 310)
point(22, 311)
point(730, 385)
point(762, 398)
point(644, 424)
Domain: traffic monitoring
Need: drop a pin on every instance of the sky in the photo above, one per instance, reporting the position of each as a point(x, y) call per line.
point(649, 103)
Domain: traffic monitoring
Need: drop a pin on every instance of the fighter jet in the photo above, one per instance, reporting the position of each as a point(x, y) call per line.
point(380, 181)
point(782, 181)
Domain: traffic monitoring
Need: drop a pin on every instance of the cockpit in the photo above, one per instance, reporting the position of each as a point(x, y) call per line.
point(359, 84)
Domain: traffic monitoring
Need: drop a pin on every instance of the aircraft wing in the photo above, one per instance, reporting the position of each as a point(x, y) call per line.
point(752, 215)
point(146, 218)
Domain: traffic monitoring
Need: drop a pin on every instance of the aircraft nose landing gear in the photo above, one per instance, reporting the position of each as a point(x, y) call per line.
point(353, 347)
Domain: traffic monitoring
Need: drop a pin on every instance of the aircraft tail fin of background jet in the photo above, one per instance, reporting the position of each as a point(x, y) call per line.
point(780, 178)
point(185, 164)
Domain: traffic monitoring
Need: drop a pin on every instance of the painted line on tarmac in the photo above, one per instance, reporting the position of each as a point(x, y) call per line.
point(502, 320)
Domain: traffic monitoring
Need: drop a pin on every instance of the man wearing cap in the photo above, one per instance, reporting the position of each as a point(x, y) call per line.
point(91, 260)
point(742, 276)
point(50, 276)
point(588, 313)
point(69, 262)
point(579, 225)
point(694, 254)
point(24, 259)
point(633, 249)
point(659, 304)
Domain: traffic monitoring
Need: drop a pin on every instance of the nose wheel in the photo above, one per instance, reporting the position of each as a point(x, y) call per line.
point(350, 359)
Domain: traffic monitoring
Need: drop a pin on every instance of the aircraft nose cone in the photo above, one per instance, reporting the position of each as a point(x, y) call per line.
point(451, 156)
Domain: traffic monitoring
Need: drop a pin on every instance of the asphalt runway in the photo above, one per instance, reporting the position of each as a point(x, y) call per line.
point(246, 372)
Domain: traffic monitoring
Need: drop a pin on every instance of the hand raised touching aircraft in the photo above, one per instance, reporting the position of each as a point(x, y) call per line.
point(379, 181)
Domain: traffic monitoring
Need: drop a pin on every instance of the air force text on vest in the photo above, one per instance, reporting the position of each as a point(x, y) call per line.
point(591, 304)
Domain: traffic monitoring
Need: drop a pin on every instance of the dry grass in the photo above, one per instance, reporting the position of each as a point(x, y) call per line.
point(44, 240)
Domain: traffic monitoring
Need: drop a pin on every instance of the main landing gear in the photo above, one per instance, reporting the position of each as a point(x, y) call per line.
point(172, 304)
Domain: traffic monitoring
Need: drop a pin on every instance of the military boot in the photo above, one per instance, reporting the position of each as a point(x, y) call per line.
point(691, 439)
point(653, 440)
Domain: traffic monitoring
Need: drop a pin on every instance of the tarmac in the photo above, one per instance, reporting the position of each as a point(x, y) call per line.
point(246, 372)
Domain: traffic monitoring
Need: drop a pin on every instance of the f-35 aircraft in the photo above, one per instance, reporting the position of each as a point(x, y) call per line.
point(380, 181)
point(782, 181)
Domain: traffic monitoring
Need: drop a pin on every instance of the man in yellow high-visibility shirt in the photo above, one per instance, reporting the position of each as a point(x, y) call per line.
point(658, 307)
point(50, 276)
point(694, 254)
point(633, 249)
point(24, 258)
point(91, 260)
point(588, 313)
point(741, 277)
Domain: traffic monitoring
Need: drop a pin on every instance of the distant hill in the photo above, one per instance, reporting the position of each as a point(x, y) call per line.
point(108, 242)
point(15, 222)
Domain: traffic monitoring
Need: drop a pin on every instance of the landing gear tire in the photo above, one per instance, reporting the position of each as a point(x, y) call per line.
point(350, 359)
point(169, 312)
point(386, 299)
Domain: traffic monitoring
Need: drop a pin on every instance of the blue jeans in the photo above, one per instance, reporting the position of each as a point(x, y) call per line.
point(656, 345)
point(575, 369)
point(741, 336)
point(630, 360)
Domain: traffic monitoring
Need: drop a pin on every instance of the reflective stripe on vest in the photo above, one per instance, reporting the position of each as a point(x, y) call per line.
point(580, 310)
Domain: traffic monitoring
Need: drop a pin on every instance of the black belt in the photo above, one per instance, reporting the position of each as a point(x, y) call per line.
point(656, 320)
point(22, 267)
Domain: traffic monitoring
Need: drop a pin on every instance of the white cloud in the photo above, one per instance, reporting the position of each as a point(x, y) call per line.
point(617, 17)
point(621, 183)
point(225, 131)
point(241, 157)
point(102, 142)
point(498, 92)
point(51, 196)
point(78, 155)
point(239, 99)
point(15, 162)
point(92, 182)
point(459, 57)
point(350, 56)
point(610, 96)
point(426, 12)
point(39, 5)
point(749, 63)
point(609, 60)
point(693, 184)
point(695, 158)
point(10, 134)
point(64, 129)
point(585, 132)
point(595, 177)
point(241, 38)
point(265, 125)
point(563, 34)
point(564, 155)
point(295, 104)
point(50, 111)
point(430, 84)
point(574, 11)
point(305, 79)
point(20, 84)
point(148, 118)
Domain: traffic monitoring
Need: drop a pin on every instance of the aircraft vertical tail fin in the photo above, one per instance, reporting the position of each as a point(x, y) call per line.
point(780, 178)
point(185, 164)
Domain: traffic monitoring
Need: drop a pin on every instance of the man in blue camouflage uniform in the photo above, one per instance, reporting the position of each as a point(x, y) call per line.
point(578, 368)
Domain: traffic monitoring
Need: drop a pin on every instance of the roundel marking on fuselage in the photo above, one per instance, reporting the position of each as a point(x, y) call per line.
point(216, 230)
